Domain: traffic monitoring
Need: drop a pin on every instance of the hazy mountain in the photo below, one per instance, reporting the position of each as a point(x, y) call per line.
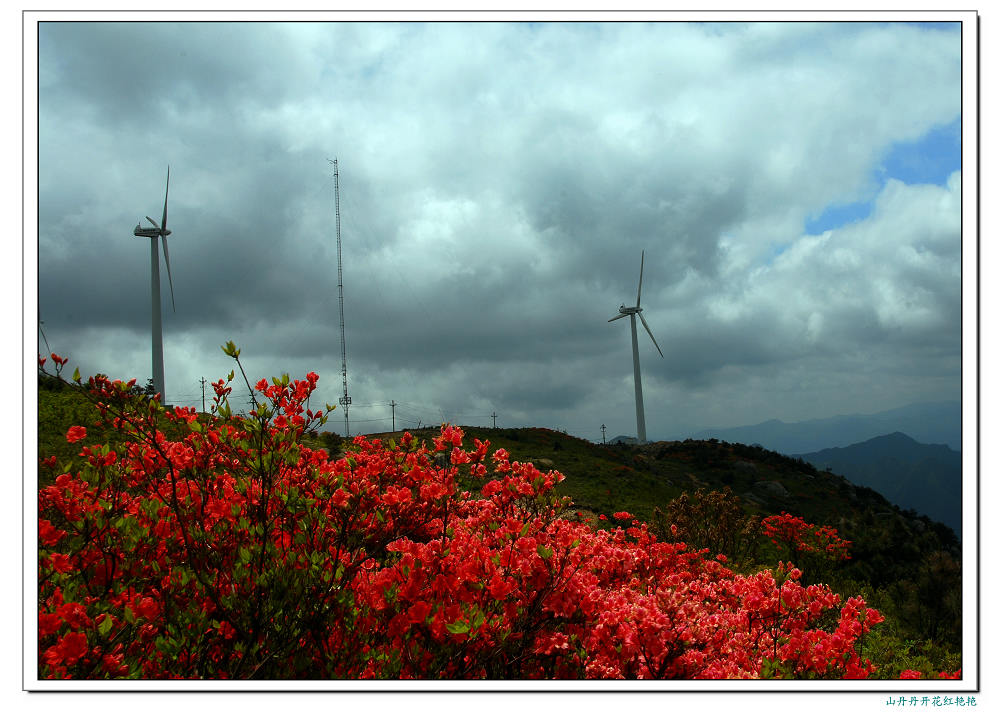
point(911, 475)
point(938, 423)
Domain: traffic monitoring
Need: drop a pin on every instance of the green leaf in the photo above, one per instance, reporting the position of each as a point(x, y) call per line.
point(458, 627)
point(76, 375)
point(105, 625)
point(544, 551)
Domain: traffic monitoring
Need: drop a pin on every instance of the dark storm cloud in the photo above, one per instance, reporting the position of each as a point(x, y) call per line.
point(498, 184)
point(121, 71)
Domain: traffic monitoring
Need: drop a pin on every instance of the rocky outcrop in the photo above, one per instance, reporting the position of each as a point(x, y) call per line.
point(771, 487)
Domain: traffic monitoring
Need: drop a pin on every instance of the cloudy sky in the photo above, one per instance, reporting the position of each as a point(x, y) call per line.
point(796, 189)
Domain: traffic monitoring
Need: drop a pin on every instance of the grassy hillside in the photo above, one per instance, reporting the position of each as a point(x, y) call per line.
point(639, 479)
point(905, 565)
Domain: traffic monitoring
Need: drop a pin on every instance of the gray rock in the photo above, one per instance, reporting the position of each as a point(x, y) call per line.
point(771, 487)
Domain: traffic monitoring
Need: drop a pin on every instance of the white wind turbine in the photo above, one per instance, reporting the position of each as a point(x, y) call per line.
point(640, 417)
point(154, 233)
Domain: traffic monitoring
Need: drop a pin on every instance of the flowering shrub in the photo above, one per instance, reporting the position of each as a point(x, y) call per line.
point(917, 675)
point(232, 550)
point(794, 534)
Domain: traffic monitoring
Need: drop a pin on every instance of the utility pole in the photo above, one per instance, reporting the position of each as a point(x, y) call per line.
point(393, 404)
point(202, 394)
point(42, 331)
point(494, 420)
point(603, 441)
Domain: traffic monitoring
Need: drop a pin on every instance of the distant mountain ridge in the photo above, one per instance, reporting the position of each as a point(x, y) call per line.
point(933, 423)
point(911, 475)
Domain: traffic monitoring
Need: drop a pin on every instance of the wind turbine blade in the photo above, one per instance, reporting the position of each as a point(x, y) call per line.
point(166, 256)
point(165, 202)
point(620, 316)
point(643, 323)
point(152, 221)
point(642, 262)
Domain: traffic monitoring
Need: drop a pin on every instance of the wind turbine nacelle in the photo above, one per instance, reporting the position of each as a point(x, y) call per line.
point(154, 231)
point(149, 232)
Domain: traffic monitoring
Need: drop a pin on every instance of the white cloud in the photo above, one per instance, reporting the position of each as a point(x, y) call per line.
point(498, 182)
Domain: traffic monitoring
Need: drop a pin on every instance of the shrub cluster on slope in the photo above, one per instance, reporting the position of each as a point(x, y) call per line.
point(232, 550)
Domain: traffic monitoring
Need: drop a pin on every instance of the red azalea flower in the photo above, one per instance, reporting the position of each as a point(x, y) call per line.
point(73, 647)
point(48, 534)
point(60, 562)
point(48, 623)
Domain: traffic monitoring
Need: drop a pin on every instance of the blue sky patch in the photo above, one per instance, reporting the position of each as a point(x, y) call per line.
point(931, 159)
point(837, 216)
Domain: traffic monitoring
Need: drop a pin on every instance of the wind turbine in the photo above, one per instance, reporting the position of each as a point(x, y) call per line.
point(154, 233)
point(633, 312)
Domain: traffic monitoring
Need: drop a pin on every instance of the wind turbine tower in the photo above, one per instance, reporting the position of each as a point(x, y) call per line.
point(345, 400)
point(632, 313)
point(154, 234)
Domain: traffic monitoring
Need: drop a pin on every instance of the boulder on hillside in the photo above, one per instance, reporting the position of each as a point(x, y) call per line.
point(771, 487)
